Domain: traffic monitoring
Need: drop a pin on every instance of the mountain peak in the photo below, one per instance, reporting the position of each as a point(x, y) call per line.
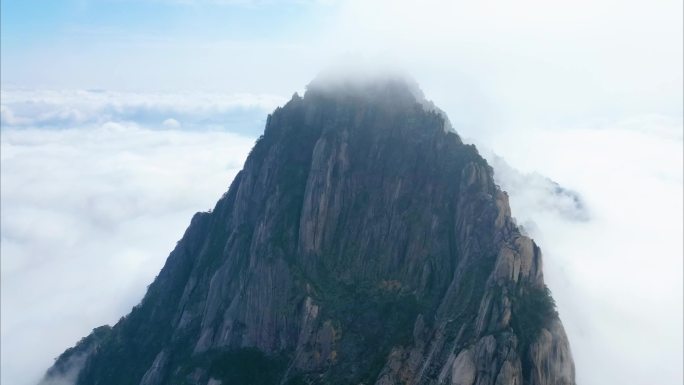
point(362, 243)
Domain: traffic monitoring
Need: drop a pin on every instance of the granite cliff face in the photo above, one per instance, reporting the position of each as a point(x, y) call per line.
point(362, 243)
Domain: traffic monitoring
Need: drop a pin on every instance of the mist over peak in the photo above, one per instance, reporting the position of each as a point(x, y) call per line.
point(390, 86)
point(365, 81)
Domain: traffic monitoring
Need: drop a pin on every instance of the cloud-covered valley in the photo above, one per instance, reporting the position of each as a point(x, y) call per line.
point(91, 208)
point(617, 273)
point(89, 215)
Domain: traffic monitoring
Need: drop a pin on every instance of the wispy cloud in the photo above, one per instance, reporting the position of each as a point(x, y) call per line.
point(71, 108)
point(534, 192)
point(245, 2)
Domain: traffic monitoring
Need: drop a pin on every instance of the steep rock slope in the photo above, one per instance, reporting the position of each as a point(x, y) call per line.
point(362, 243)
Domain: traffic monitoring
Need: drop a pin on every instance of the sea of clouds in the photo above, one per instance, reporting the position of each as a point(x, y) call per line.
point(94, 199)
point(69, 108)
point(613, 262)
point(98, 186)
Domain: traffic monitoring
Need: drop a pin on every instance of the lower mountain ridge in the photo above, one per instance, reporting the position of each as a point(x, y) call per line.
point(362, 243)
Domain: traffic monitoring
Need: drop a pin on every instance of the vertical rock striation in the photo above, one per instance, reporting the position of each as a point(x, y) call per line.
point(362, 243)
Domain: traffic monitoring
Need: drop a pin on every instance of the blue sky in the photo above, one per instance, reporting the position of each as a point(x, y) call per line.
point(34, 22)
point(82, 43)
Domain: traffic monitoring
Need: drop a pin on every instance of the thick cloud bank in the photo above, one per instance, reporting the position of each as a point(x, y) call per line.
point(614, 263)
point(88, 218)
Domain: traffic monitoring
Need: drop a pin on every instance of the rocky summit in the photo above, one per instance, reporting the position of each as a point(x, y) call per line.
point(362, 243)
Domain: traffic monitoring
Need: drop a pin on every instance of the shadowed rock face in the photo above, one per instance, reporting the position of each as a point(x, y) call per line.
point(362, 243)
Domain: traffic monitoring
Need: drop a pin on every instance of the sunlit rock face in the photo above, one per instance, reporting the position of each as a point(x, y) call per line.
point(362, 243)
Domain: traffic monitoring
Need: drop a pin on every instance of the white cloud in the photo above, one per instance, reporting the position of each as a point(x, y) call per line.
point(70, 108)
point(171, 123)
point(617, 278)
point(497, 63)
point(252, 3)
point(534, 193)
point(88, 218)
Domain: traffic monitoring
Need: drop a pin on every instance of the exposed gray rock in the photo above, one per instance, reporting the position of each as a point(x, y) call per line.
point(463, 370)
point(361, 244)
point(155, 373)
point(551, 358)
